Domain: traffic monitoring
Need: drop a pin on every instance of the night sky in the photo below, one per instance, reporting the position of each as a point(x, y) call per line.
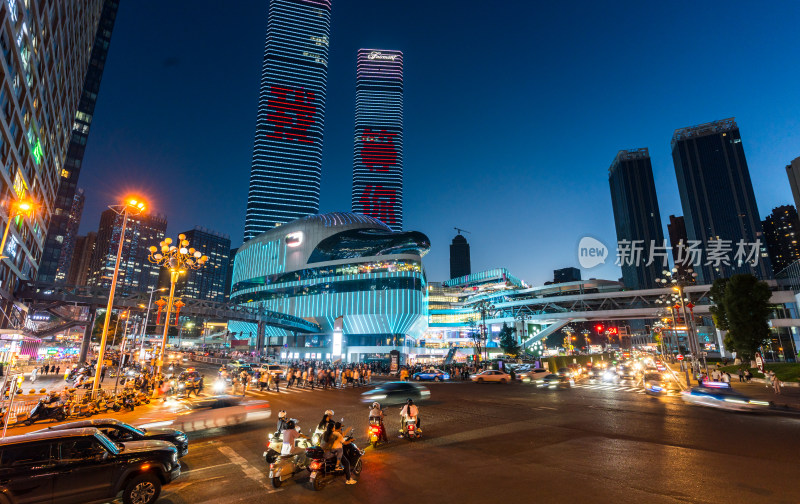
point(513, 112)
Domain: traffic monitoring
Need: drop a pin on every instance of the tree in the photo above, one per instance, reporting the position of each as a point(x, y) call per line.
point(508, 342)
point(475, 336)
point(717, 295)
point(97, 330)
point(745, 312)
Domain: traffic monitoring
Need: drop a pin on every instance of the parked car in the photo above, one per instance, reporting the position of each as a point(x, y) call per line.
point(491, 375)
point(396, 393)
point(120, 432)
point(208, 413)
point(83, 466)
point(431, 374)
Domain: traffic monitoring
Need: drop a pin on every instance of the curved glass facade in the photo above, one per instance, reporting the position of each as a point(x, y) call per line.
point(336, 266)
point(369, 242)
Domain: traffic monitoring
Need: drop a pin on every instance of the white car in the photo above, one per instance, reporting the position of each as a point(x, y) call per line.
point(491, 375)
point(534, 375)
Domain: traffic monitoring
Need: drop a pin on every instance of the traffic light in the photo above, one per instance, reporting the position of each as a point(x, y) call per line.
point(598, 328)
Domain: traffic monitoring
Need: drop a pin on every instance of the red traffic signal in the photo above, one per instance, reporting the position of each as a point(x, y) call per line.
point(598, 328)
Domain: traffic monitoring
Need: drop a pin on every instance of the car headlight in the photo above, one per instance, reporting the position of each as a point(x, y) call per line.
point(180, 438)
point(174, 457)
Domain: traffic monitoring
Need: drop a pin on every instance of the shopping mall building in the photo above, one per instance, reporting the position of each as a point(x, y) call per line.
point(335, 266)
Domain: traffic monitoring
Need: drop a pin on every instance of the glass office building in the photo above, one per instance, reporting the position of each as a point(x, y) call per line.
point(636, 215)
point(717, 195)
point(42, 43)
point(287, 151)
point(62, 230)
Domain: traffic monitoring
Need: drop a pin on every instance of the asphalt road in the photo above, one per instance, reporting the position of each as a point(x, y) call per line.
point(489, 443)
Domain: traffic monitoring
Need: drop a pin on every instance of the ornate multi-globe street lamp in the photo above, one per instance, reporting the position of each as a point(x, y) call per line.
point(178, 259)
point(131, 206)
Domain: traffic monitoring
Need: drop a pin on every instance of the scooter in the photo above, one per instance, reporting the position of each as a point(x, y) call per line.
point(411, 431)
point(286, 466)
point(375, 431)
point(321, 466)
point(274, 446)
point(44, 411)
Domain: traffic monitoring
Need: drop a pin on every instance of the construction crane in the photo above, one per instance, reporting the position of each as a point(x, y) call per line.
point(459, 230)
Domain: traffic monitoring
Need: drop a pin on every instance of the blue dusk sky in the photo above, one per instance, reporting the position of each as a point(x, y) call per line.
point(513, 112)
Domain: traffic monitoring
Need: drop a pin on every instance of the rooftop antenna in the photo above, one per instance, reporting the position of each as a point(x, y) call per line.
point(459, 230)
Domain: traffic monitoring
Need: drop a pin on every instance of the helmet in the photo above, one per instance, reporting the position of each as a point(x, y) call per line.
point(409, 401)
point(282, 414)
point(329, 412)
point(376, 405)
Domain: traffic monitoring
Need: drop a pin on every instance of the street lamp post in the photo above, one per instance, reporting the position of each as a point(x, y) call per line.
point(147, 318)
point(522, 317)
point(178, 259)
point(678, 281)
point(484, 307)
point(17, 208)
point(132, 206)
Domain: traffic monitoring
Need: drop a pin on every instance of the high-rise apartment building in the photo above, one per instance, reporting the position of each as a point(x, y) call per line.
point(782, 234)
point(81, 259)
point(136, 273)
point(287, 151)
point(71, 221)
point(378, 149)
point(45, 59)
point(63, 226)
point(717, 198)
point(793, 172)
point(459, 257)
point(207, 282)
point(636, 216)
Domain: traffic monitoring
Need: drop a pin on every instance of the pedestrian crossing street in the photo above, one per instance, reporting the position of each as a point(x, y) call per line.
point(621, 388)
point(254, 392)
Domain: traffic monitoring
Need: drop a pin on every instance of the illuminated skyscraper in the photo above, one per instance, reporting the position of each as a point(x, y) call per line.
point(378, 150)
point(287, 151)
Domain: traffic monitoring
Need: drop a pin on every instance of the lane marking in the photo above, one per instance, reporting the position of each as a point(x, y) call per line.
point(249, 471)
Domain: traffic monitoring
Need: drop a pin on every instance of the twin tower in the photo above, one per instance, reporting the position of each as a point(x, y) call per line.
point(287, 153)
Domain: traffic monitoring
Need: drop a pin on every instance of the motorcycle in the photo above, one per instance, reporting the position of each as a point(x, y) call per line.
point(141, 398)
point(286, 466)
point(321, 467)
point(411, 431)
point(375, 431)
point(45, 410)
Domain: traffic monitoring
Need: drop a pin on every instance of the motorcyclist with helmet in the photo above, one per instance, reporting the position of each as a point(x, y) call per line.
point(376, 414)
point(282, 421)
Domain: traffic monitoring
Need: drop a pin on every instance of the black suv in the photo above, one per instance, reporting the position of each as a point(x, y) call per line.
point(83, 466)
point(121, 432)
